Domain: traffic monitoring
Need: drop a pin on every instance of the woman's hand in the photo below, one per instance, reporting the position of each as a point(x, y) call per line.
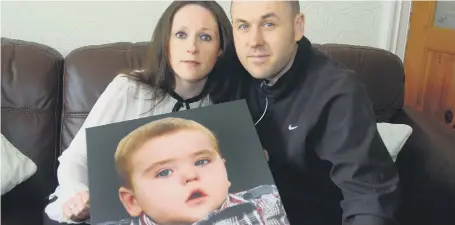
point(77, 208)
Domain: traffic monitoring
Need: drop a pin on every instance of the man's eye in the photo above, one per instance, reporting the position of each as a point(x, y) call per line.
point(164, 173)
point(242, 26)
point(180, 35)
point(269, 24)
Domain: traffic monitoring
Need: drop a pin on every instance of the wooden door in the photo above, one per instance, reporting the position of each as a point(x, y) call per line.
point(430, 60)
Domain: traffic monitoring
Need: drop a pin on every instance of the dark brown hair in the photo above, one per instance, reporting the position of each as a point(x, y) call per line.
point(157, 72)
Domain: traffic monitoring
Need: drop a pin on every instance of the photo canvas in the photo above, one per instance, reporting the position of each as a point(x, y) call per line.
point(199, 166)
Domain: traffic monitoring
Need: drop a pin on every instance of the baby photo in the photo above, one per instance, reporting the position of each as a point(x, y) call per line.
point(175, 170)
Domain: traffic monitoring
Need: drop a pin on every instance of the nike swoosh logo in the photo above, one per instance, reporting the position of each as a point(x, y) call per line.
point(291, 127)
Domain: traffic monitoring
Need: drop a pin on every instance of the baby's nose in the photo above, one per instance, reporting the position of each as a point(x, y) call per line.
point(190, 175)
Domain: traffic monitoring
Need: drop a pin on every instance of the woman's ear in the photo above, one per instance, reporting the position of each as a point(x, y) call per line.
point(129, 201)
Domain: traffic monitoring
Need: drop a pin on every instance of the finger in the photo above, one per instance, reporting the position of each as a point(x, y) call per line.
point(69, 208)
point(67, 211)
point(85, 198)
point(84, 214)
point(75, 209)
point(266, 155)
point(79, 204)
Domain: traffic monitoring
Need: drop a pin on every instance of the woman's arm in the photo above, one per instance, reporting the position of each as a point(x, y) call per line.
point(72, 173)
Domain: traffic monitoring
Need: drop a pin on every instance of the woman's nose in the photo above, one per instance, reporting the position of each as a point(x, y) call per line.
point(192, 47)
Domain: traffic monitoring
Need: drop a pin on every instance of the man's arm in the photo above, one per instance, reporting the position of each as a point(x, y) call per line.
point(361, 165)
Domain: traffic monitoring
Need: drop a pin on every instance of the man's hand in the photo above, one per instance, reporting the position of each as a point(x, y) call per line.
point(77, 208)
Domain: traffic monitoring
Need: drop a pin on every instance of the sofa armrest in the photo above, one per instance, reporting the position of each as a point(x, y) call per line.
point(427, 170)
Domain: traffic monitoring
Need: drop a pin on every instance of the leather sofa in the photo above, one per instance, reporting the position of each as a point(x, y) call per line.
point(46, 97)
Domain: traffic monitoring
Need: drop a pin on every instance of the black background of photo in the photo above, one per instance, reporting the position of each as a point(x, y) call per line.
point(232, 124)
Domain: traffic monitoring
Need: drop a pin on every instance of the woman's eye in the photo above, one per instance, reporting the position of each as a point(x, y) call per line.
point(164, 173)
point(180, 35)
point(206, 37)
point(202, 162)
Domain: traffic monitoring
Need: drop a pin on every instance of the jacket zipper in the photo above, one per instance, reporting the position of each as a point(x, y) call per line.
point(266, 104)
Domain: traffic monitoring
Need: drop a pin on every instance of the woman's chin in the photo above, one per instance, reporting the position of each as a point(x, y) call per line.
point(192, 78)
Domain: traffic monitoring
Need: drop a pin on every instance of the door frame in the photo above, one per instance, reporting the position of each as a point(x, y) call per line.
point(399, 27)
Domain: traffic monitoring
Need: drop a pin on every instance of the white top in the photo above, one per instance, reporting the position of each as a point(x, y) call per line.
point(123, 99)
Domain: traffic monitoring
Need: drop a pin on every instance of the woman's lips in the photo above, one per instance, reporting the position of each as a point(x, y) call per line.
point(191, 62)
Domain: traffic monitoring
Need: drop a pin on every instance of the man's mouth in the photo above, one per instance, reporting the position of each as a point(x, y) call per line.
point(258, 58)
point(196, 195)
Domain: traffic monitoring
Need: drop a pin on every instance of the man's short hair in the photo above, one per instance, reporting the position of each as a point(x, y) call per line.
point(295, 5)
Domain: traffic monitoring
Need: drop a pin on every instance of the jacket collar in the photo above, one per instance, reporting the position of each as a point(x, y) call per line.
point(287, 82)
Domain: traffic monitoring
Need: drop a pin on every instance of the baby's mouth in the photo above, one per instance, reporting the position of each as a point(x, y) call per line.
point(196, 195)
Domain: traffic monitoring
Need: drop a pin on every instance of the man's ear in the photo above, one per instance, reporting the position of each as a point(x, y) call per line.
point(129, 201)
point(299, 26)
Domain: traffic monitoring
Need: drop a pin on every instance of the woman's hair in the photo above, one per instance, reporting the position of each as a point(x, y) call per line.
point(133, 141)
point(157, 72)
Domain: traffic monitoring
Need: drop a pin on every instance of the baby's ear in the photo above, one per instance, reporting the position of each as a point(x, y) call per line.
point(224, 160)
point(129, 201)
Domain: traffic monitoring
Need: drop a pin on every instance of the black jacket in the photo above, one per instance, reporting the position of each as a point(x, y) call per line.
point(325, 151)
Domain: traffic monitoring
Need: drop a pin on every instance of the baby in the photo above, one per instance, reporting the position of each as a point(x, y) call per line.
point(173, 172)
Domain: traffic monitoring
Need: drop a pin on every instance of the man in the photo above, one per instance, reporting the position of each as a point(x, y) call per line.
point(315, 121)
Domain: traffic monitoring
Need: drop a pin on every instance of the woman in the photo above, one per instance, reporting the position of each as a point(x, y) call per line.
point(189, 54)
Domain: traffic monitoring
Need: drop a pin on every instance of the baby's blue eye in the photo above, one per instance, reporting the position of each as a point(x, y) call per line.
point(164, 173)
point(201, 162)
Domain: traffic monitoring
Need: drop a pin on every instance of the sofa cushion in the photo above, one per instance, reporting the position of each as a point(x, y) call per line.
point(30, 78)
point(379, 70)
point(16, 167)
point(394, 137)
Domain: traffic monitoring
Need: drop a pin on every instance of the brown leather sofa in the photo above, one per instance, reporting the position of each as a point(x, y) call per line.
point(46, 97)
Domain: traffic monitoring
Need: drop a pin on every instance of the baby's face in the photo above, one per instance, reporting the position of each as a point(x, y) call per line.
point(179, 177)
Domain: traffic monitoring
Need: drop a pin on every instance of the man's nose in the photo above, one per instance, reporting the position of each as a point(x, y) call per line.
point(257, 38)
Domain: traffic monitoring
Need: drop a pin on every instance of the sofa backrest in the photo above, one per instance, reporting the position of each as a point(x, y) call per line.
point(88, 71)
point(45, 101)
point(31, 89)
point(379, 70)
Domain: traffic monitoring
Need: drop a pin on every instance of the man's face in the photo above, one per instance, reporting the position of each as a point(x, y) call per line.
point(265, 35)
point(179, 177)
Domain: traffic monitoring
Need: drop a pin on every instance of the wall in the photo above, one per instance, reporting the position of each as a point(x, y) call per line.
point(63, 26)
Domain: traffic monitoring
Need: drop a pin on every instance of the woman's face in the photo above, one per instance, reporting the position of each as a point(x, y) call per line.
point(194, 43)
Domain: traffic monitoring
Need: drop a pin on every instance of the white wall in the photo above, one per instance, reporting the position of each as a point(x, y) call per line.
point(67, 25)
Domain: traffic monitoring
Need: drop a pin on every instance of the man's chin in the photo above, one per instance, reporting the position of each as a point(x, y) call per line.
point(260, 76)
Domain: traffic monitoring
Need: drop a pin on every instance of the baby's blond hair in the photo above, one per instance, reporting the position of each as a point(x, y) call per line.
point(134, 141)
